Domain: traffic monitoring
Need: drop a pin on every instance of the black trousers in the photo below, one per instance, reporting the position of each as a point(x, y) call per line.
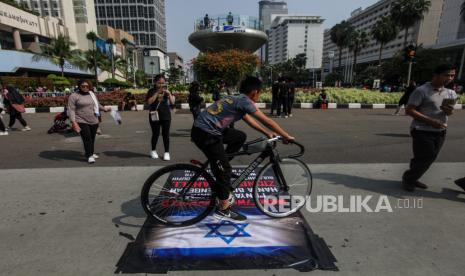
point(212, 146)
point(164, 125)
point(283, 105)
point(274, 103)
point(14, 114)
point(290, 104)
point(426, 146)
point(88, 133)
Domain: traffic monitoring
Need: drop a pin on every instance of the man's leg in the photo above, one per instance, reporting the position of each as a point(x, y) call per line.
point(426, 147)
point(234, 139)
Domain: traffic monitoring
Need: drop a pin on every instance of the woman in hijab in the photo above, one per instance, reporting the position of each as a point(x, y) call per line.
point(84, 109)
point(15, 103)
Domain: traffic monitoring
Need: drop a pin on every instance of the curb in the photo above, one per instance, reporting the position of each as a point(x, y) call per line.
point(185, 106)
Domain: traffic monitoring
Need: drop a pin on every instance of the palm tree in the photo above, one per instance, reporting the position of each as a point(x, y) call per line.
point(92, 36)
point(358, 40)
point(340, 34)
point(408, 12)
point(58, 52)
point(122, 65)
point(384, 31)
point(112, 56)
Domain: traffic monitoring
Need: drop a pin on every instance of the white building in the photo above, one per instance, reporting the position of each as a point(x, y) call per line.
point(78, 16)
point(266, 9)
point(424, 33)
point(291, 35)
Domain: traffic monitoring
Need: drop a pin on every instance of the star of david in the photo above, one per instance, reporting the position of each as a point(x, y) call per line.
point(227, 238)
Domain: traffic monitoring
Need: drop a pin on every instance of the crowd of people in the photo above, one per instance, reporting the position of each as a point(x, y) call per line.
point(429, 105)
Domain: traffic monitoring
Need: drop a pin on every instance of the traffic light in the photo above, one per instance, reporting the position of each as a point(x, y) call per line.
point(410, 52)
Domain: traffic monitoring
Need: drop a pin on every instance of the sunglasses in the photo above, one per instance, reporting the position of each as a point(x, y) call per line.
point(85, 86)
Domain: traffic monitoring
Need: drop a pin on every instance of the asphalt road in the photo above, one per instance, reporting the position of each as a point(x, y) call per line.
point(330, 136)
point(61, 216)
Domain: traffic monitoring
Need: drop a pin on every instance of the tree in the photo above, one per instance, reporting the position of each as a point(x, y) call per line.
point(384, 31)
point(358, 40)
point(406, 13)
point(58, 52)
point(231, 65)
point(92, 36)
point(340, 35)
point(174, 74)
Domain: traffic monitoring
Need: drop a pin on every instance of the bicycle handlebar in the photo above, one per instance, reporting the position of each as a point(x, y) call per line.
point(279, 138)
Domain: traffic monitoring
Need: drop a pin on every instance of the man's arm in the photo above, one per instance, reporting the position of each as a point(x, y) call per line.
point(411, 111)
point(255, 125)
point(272, 125)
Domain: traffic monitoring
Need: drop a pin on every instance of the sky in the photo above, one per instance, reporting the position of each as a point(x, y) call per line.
point(181, 15)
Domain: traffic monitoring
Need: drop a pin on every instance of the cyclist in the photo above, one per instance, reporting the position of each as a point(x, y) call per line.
point(210, 131)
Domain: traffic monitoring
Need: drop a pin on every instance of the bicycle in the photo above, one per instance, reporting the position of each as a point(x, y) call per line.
point(171, 199)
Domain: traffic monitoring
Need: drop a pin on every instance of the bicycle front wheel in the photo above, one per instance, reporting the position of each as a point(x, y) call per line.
point(282, 189)
point(178, 195)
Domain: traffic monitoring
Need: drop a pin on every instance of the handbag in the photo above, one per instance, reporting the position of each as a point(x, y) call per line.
point(18, 107)
point(154, 114)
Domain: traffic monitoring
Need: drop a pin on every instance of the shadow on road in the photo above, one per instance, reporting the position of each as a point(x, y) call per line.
point(386, 187)
point(396, 135)
point(60, 155)
point(124, 154)
point(130, 209)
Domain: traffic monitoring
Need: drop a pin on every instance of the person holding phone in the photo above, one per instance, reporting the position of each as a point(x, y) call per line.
point(429, 106)
point(160, 100)
point(83, 111)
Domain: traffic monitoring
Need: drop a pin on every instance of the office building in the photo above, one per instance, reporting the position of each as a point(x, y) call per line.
point(265, 10)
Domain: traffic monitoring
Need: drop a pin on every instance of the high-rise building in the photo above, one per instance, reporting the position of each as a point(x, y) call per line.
point(144, 19)
point(266, 10)
point(77, 15)
point(291, 35)
point(424, 32)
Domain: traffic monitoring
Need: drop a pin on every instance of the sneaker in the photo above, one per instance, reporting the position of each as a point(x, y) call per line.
point(91, 160)
point(26, 128)
point(286, 116)
point(3, 133)
point(166, 156)
point(153, 154)
point(229, 214)
point(95, 156)
point(290, 115)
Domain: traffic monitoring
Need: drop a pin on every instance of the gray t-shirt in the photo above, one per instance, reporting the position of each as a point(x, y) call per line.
point(428, 102)
point(218, 116)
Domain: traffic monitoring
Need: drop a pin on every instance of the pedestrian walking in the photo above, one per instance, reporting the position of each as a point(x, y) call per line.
point(429, 106)
point(404, 99)
point(15, 106)
point(84, 110)
point(220, 91)
point(274, 97)
point(160, 100)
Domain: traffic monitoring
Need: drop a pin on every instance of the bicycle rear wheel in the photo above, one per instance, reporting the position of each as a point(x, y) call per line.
point(178, 195)
point(271, 195)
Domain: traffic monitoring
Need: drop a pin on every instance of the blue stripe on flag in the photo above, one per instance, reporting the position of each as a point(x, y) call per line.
point(220, 252)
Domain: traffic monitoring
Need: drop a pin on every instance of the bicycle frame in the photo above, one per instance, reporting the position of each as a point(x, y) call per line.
point(269, 152)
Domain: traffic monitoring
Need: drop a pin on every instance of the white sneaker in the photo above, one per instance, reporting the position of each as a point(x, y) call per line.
point(153, 154)
point(95, 156)
point(26, 128)
point(91, 160)
point(166, 156)
point(3, 133)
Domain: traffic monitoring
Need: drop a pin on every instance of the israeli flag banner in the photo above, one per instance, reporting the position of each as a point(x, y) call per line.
point(260, 242)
